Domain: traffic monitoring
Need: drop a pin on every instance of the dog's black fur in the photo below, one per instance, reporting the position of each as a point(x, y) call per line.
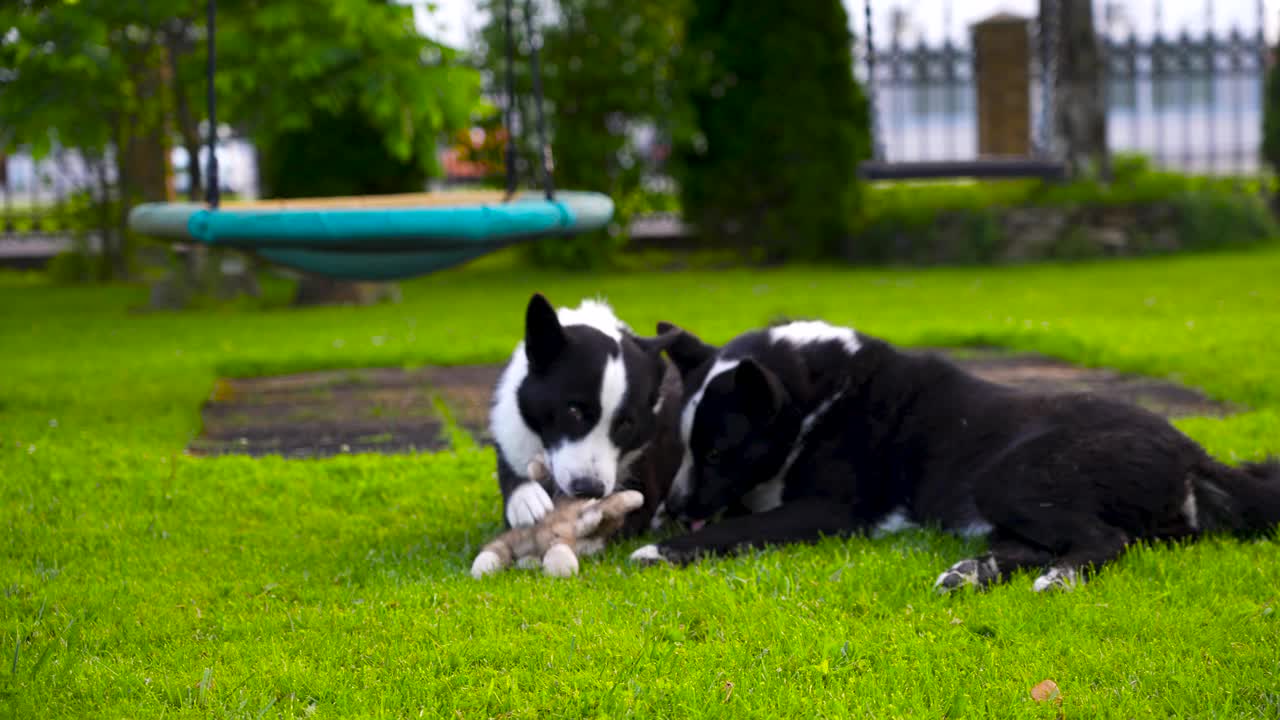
point(1063, 482)
point(552, 396)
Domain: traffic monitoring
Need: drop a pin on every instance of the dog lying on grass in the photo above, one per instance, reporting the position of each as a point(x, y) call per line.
point(595, 402)
point(806, 429)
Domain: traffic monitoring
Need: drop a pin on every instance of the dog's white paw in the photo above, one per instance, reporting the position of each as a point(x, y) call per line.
point(486, 563)
point(1056, 579)
point(957, 576)
point(648, 555)
point(973, 571)
point(528, 504)
point(559, 560)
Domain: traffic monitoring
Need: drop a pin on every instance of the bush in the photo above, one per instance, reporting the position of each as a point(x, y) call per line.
point(776, 126)
point(338, 154)
point(74, 267)
point(1143, 212)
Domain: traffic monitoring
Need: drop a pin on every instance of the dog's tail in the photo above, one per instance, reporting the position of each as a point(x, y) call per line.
point(1243, 500)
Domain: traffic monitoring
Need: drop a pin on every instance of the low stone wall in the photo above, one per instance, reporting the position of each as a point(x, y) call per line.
point(1028, 234)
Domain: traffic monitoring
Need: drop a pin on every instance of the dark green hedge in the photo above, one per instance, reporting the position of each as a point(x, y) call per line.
point(339, 154)
point(775, 126)
point(1141, 212)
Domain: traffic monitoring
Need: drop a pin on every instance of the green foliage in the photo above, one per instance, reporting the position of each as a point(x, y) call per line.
point(967, 222)
point(338, 154)
point(73, 214)
point(1211, 220)
point(142, 582)
point(286, 65)
point(777, 126)
point(87, 75)
point(72, 70)
point(607, 69)
point(107, 77)
point(73, 268)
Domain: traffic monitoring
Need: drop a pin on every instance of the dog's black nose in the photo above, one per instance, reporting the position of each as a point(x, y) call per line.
point(586, 487)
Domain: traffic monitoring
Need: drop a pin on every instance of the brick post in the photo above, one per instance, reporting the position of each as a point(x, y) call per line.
point(1002, 74)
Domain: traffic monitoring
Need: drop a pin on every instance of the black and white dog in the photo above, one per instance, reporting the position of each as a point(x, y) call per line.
point(595, 403)
point(806, 429)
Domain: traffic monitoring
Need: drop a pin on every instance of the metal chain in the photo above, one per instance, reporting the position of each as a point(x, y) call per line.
point(211, 70)
point(509, 152)
point(547, 165)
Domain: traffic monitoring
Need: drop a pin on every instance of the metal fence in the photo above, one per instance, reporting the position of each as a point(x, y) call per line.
point(1189, 104)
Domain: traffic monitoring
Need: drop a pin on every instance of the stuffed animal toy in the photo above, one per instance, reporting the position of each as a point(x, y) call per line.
point(575, 526)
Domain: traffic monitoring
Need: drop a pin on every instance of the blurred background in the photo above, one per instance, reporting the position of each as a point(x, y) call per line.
point(927, 132)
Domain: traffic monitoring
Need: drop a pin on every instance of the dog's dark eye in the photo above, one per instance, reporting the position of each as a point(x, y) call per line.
point(712, 456)
point(624, 424)
point(577, 412)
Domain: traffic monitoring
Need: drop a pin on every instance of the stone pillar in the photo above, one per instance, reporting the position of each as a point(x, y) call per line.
point(1002, 75)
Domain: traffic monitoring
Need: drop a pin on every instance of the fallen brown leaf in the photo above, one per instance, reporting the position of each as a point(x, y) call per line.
point(1046, 690)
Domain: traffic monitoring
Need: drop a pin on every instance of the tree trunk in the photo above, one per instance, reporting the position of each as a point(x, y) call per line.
point(113, 261)
point(189, 129)
point(4, 185)
point(1079, 99)
point(102, 204)
point(187, 125)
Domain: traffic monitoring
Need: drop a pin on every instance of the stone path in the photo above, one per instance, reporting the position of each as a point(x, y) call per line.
point(397, 411)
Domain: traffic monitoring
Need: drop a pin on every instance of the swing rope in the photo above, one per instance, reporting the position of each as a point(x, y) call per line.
point(211, 66)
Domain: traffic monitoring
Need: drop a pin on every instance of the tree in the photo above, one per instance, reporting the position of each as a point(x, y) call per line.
point(285, 63)
point(777, 126)
point(607, 70)
point(117, 78)
point(337, 154)
point(1271, 119)
point(89, 75)
point(1079, 100)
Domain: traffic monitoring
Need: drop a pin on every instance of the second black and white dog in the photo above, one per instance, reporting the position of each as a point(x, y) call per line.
point(806, 429)
point(595, 403)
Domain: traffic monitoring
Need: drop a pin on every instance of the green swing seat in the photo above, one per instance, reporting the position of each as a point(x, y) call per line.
point(377, 237)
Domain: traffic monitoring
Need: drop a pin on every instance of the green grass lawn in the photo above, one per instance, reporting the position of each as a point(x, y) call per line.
point(138, 582)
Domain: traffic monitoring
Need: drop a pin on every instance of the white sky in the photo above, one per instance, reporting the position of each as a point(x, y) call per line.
point(454, 21)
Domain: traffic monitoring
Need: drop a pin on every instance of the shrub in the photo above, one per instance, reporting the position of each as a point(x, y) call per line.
point(74, 267)
point(776, 126)
point(338, 154)
point(1142, 212)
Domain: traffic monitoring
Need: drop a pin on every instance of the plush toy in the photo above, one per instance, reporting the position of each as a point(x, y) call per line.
point(575, 526)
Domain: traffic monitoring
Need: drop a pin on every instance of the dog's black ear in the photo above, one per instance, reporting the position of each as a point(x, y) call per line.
point(684, 348)
point(758, 389)
point(662, 341)
point(544, 338)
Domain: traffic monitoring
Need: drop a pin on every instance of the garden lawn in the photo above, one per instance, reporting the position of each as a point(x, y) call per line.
point(140, 582)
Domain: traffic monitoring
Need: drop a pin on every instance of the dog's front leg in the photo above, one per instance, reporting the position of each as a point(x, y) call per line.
point(803, 520)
